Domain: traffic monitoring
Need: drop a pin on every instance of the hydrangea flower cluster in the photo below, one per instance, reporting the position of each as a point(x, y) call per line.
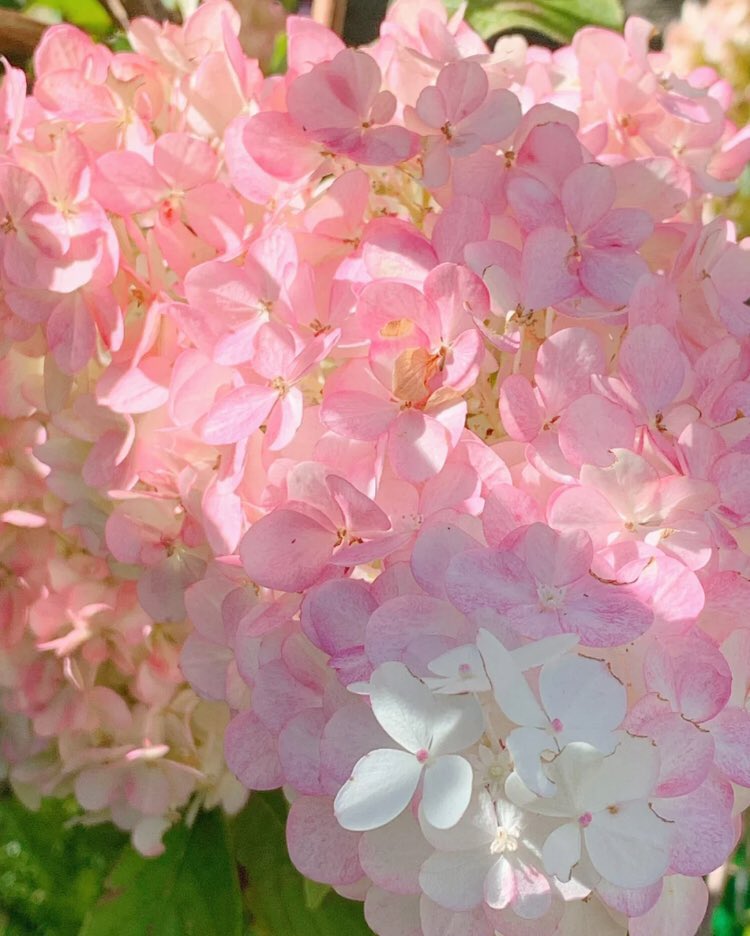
point(414, 379)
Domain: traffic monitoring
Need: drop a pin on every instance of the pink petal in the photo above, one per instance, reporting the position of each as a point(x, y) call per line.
point(731, 733)
point(704, 831)
point(267, 134)
point(238, 415)
point(360, 513)
point(71, 334)
point(557, 558)
point(533, 204)
point(611, 274)
point(691, 674)
point(591, 427)
point(484, 578)
point(623, 227)
point(124, 182)
point(545, 275)
point(183, 161)
point(587, 195)
point(285, 550)
point(566, 362)
point(319, 847)
point(204, 664)
point(606, 616)
point(299, 751)
point(417, 446)
point(652, 365)
point(335, 615)
point(357, 415)
point(251, 753)
point(519, 408)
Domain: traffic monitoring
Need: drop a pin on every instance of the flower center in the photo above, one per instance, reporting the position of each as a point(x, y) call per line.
point(504, 842)
point(422, 755)
point(550, 597)
point(280, 385)
point(585, 820)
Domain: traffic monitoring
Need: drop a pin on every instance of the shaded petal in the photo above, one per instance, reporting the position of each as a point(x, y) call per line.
point(631, 847)
point(447, 790)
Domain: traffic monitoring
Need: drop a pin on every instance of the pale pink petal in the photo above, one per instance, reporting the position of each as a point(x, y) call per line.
point(393, 855)
point(357, 415)
point(704, 830)
point(681, 907)
point(204, 664)
point(418, 446)
point(318, 846)
point(299, 751)
point(184, 161)
point(251, 753)
point(455, 880)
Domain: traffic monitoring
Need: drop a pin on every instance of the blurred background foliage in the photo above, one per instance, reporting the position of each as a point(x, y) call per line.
point(59, 877)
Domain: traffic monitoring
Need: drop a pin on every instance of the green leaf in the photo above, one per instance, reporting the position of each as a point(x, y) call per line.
point(51, 872)
point(88, 15)
point(191, 889)
point(277, 64)
point(558, 19)
point(315, 893)
point(276, 895)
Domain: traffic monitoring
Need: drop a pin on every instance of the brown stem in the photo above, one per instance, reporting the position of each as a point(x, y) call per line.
point(19, 36)
point(118, 12)
point(154, 9)
point(330, 13)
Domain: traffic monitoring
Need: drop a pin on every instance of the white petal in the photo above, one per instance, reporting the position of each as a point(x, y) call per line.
point(569, 771)
point(582, 693)
point(458, 724)
point(630, 773)
point(562, 850)
point(455, 880)
point(477, 826)
point(380, 787)
point(629, 847)
point(500, 887)
point(542, 651)
point(447, 790)
point(459, 670)
point(403, 705)
point(512, 692)
point(526, 746)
